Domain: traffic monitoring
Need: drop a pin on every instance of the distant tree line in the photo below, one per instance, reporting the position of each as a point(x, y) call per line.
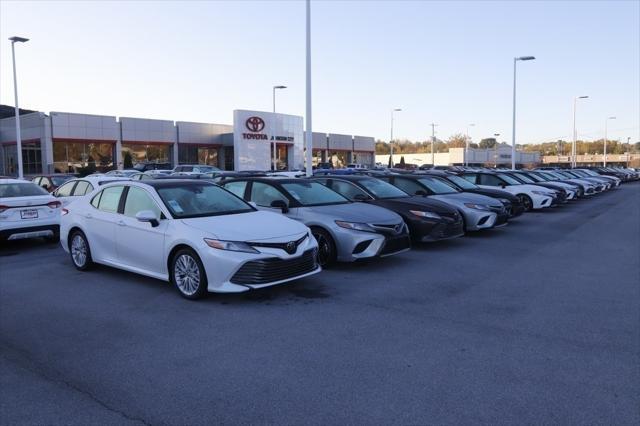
point(559, 147)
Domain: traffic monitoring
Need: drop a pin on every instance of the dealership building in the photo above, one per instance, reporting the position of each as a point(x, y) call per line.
point(65, 142)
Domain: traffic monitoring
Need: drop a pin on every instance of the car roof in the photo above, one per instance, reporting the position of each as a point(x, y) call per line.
point(162, 183)
point(343, 177)
point(11, 180)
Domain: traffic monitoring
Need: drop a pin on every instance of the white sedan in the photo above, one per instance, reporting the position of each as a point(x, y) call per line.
point(195, 234)
point(80, 187)
point(531, 196)
point(27, 211)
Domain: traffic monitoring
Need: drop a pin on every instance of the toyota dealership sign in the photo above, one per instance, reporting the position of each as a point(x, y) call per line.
point(255, 132)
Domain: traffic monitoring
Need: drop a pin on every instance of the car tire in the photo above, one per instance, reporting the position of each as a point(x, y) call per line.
point(327, 252)
point(80, 251)
point(187, 274)
point(526, 201)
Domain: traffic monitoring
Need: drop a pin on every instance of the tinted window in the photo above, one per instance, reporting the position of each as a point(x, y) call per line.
point(490, 180)
point(27, 189)
point(348, 190)
point(65, 190)
point(237, 188)
point(471, 178)
point(438, 186)
point(138, 200)
point(408, 185)
point(199, 200)
point(110, 199)
point(263, 194)
point(82, 188)
point(313, 194)
point(382, 189)
point(509, 179)
point(462, 183)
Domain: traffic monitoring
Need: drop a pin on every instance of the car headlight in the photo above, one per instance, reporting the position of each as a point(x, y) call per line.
point(477, 206)
point(421, 213)
point(230, 245)
point(356, 226)
point(544, 193)
point(504, 201)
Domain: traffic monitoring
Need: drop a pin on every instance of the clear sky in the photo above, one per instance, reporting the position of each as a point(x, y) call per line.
point(443, 62)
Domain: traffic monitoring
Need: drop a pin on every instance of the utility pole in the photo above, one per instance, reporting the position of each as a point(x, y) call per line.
point(433, 142)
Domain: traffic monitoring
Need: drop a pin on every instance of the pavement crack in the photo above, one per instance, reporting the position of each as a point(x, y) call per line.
point(25, 362)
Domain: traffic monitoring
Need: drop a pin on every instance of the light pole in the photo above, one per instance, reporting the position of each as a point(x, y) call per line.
point(604, 158)
point(466, 145)
point(309, 131)
point(14, 40)
point(574, 151)
point(391, 139)
point(433, 142)
point(274, 162)
point(513, 136)
point(495, 151)
point(628, 150)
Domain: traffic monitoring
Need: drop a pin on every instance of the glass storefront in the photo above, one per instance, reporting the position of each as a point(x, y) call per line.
point(31, 159)
point(194, 154)
point(317, 156)
point(282, 156)
point(339, 159)
point(83, 157)
point(133, 153)
point(362, 157)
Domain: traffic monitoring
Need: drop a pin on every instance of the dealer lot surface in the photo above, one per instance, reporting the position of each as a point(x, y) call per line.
point(537, 322)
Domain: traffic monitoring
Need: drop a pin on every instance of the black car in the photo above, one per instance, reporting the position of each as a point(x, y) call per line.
point(428, 220)
point(511, 202)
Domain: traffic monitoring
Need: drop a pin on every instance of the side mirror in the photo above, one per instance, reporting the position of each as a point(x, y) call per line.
point(280, 204)
point(147, 216)
point(502, 185)
point(421, 192)
point(360, 197)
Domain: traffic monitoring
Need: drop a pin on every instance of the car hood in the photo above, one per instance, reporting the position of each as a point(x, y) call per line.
point(355, 212)
point(417, 202)
point(253, 226)
point(489, 192)
point(466, 197)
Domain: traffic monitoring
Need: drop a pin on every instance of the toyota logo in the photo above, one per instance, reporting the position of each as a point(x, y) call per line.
point(291, 247)
point(255, 124)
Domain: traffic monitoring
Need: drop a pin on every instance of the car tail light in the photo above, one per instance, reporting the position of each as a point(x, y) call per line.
point(54, 204)
point(64, 212)
point(3, 208)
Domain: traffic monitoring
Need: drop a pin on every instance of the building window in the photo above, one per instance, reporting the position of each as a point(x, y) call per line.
point(282, 156)
point(133, 153)
point(228, 158)
point(83, 157)
point(339, 159)
point(193, 154)
point(31, 159)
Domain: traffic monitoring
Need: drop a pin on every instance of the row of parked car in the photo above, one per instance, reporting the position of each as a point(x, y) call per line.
point(235, 231)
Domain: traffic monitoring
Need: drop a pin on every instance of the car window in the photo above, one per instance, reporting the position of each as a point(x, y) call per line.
point(65, 190)
point(263, 194)
point(313, 193)
point(81, 188)
point(110, 199)
point(471, 178)
point(408, 185)
point(462, 183)
point(138, 200)
point(200, 200)
point(26, 189)
point(348, 190)
point(95, 201)
point(382, 189)
point(237, 188)
point(490, 180)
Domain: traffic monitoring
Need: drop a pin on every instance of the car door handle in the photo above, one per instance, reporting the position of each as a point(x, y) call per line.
point(121, 223)
point(88, 216)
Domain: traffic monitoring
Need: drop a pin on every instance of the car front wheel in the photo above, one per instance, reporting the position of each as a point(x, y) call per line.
point(526, 202)
point(326, 247)
point(80, 251)
point(188, 275)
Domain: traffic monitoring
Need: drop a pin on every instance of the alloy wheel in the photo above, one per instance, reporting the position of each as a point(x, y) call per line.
point(79, 250)
point(324, 249)
point(187, 274)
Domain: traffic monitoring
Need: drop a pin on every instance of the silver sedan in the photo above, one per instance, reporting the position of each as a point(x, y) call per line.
point(345, 231)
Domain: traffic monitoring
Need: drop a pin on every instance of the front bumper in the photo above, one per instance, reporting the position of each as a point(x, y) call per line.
point(479, 219)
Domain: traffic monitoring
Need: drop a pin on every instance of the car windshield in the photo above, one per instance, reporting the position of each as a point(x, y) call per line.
point(462, 183)
point(437, 186)
point(509, 179)
point(313, 194)
point(538, 175)
point(139, 166)
point(200, 200)
point(27, 189)
point(207, 169)
point(591, 173)
point(381, 189)
point(525, 178)
point(59, 180)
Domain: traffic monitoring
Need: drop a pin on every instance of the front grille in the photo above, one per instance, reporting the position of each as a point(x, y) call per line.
point(453, 216)
point(450, 230)
point(389, 229)
point(275, 269)
point(392, 245)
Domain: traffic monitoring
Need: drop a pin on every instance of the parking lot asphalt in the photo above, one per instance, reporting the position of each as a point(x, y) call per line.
point(537, 322)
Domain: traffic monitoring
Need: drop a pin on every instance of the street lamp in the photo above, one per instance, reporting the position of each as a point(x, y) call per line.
point(513, 137)
point(574, 151)
point(274, 162)
point(309, 128)
point(604, 159)
point(391, 140)
point(466, 145)
point(433, 141)
point(495, 150)
point(15, 40)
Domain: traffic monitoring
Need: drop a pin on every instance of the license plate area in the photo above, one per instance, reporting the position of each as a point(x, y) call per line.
point(29, 214)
